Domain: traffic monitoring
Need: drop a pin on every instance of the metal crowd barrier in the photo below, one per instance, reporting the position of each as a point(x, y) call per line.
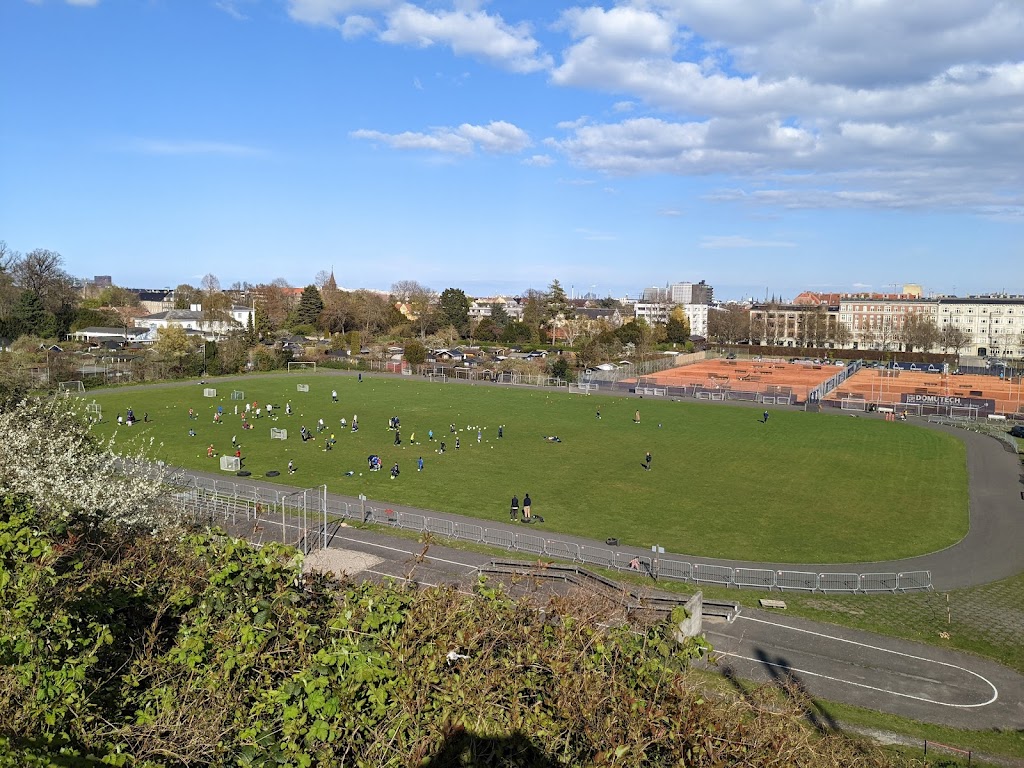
point(304, 517)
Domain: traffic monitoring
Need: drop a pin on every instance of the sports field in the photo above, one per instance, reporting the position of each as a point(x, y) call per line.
point(799, 488)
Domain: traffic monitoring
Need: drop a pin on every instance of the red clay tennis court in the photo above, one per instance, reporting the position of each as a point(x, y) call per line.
point(766, 380)
point(917, 392)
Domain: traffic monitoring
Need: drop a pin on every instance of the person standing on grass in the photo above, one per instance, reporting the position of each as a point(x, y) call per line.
point(527, 503)
point(419, 464)
point(765, 418)
point(647, 461)
point(334, 395)
point(636, 416)
point(513, 512)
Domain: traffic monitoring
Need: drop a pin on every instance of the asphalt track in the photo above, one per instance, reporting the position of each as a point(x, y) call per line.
point(886, 674)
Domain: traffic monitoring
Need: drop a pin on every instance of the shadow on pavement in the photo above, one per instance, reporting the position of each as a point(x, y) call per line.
point(787, 681)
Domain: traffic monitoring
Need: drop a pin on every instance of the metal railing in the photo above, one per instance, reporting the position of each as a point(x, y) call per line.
point(305, 519)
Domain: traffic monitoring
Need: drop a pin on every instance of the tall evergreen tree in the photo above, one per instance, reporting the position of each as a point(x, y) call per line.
point(453, 309)
point(310, 307)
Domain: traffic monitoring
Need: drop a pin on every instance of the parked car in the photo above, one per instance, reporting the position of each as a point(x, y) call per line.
point(1017, 431)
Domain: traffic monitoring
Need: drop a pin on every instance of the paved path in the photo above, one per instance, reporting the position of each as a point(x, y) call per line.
point(881, 673)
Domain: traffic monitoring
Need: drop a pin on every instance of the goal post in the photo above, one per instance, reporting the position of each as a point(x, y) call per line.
point(301, 365)
point(70, 387)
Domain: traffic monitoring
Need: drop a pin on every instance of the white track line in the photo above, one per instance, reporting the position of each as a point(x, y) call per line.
point(995, 691)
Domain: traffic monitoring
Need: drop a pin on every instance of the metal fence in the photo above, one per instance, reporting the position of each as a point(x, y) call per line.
point(644, 367)
point(306, 518)
point(822, 390)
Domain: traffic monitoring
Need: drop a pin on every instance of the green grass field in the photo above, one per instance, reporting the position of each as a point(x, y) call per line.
point(801, 488)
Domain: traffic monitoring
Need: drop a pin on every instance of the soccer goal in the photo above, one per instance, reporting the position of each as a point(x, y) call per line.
point(70, 387)
point(302, 387)
point(95, 411)
point(230, 463)
point(238, 395)
point(209, 392)
point(964, 413)
point(853, 404)
point(301, 365)
point(278, 434)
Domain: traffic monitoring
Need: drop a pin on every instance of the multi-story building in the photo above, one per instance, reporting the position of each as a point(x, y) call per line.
point(697, 315)
point(994, 324)
point(795, 325)
point(876, 321)
point(653, 311)
point(691, 293)
point(481, 308)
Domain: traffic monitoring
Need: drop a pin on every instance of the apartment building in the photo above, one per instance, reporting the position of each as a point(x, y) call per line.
point(876, 321)
point(994, 324)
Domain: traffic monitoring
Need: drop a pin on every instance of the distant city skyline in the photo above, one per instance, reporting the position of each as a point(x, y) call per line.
point(767, 148)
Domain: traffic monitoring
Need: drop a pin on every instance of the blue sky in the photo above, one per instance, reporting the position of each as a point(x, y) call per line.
point(777, 145)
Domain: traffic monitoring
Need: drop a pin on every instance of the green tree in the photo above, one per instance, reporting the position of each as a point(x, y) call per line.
point(629, 333)
point(516, 333)
point(172, 346)
point(453, 309)
point(309, 308)
point(558, 367)
point(499, 315)
point(186, 295)
point(487, 330)
point(533, 311)
point(557, 304)
point(32, 316)
point(677, 329)
point(415, 353)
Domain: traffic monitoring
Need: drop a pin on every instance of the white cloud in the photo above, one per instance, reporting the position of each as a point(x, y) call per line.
point(468, 32)
point(329, 13)
point(738, 241)
point(358, 26)
point(496, 137)
point(595, 235)
point(466, 29)
point(539, 161)
point(176, 147)
point(928, 94)
point(230, 7)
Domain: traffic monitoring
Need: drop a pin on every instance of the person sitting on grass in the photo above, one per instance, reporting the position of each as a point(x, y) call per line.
point(553, 438)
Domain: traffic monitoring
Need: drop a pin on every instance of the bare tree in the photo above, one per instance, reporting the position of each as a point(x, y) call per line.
point(919, 331)
point(420, 300)
point(955, 338)
point(216, 304)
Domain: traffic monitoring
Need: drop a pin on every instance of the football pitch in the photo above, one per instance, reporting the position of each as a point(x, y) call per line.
point(801, 488)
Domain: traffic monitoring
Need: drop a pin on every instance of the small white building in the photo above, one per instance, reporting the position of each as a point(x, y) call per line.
point(238, 318)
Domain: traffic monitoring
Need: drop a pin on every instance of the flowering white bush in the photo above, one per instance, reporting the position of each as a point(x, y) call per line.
point(49, 453)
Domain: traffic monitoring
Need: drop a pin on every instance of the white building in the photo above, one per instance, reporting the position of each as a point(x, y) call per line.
point(481, 308)
point(238, 318)
point(995, 324)
point(697, 314)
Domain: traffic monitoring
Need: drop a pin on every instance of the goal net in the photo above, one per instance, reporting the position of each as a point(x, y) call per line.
point(301, 365)
point(69, 387)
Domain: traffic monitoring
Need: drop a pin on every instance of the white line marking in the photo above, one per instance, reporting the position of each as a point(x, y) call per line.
point(404, 551)
point(995, 691)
